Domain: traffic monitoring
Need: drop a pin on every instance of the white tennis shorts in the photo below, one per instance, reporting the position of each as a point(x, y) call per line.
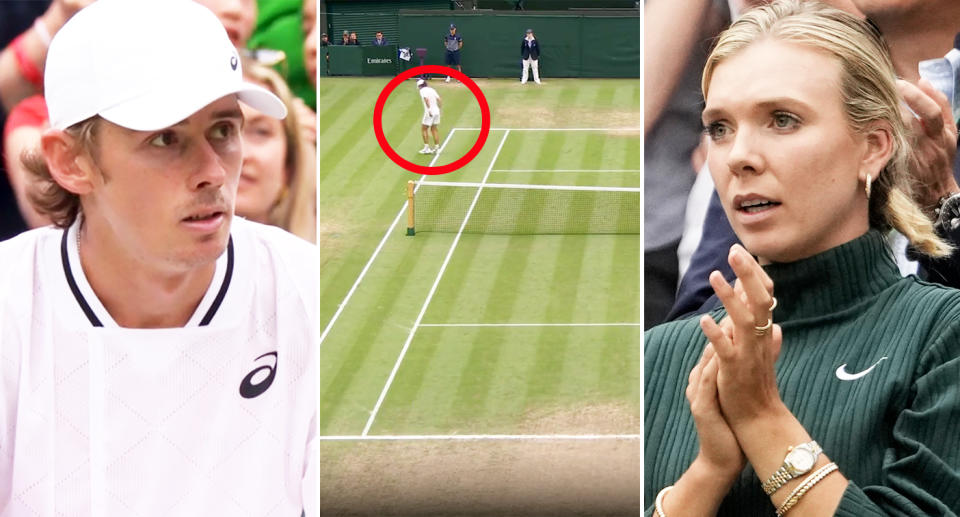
point(431, 120)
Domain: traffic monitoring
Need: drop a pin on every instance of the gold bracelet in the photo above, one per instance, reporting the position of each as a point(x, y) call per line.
point(806, 485)
point(658, 504)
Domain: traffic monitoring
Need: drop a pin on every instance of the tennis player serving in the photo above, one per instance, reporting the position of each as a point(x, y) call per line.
point(431, 117)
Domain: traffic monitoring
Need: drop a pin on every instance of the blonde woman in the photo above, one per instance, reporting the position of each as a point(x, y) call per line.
point(278, 177)
point(838, 395)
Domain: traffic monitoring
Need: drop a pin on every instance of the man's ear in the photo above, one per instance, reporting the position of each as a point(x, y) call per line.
point(879, 149)
point(69, 165)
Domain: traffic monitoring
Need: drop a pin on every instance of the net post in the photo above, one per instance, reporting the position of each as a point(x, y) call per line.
point(410, 186)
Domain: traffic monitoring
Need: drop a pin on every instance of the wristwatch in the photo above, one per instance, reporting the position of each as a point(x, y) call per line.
point(800, 459)
point(947, 213)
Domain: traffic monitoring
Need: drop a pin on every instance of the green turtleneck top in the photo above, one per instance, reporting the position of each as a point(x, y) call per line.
point(894, 432)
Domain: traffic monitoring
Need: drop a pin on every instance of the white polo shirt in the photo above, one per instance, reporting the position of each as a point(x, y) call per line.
point(429, 93)
point(215, 418)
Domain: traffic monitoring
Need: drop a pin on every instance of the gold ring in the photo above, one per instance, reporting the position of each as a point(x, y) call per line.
point(774, 304)
point(760, 331)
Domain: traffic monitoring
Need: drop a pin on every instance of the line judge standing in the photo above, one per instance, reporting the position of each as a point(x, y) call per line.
point(530, 52)
point(452, 42)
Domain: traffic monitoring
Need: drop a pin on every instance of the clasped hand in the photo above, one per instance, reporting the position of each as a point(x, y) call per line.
point(734, 382)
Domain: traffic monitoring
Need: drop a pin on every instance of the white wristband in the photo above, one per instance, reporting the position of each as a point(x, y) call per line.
point(42, 31)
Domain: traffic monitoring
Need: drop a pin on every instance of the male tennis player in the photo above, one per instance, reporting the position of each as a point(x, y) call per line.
point(431, 116)
point(156, 353)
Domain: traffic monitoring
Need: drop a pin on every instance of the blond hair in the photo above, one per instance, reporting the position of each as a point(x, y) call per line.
point(296, 209)
point(45, 194)
point(867, 89)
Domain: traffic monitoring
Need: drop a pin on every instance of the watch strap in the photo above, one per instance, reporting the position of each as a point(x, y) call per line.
point(785, 473)
point(777, 480)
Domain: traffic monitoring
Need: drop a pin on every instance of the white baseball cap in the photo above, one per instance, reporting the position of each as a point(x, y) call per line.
point(144, 65)
point(421, 82)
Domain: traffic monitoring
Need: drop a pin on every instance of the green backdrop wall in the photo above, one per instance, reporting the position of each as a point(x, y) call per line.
point(571, 44)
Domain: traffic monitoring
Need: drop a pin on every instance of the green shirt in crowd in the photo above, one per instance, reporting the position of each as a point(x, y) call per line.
point(894, 432)
point(279, 27)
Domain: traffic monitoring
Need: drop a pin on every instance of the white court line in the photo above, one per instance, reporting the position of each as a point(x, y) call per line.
point(531, 324)
point(567, 170)
point(363, 272)
point(532, 187)
point(376, 252)
point(554, 129)
point(433, 289)
point(478, 437)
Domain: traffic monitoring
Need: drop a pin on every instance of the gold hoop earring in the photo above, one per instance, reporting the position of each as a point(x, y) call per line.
point(867, 186)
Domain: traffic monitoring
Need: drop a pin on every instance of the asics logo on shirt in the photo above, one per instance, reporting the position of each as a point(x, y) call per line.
point(248, 389)
point(843, 375)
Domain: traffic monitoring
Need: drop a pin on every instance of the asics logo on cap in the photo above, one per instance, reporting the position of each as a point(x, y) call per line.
point(248, 389)
point(233, 62)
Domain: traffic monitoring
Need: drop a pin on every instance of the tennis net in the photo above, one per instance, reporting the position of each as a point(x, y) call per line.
point(511, 209)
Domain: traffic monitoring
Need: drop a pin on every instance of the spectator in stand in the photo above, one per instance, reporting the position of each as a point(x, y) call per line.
point(278, 41)
point(755, 414)
point(353, 39)
point(310, 40)
point(22, 61)
point(345, 40)
point(25, 32)
point(379, 40)
point(22, 132)
point(676, 36)
point(239, 18)
point(277, 179)
point(913, 34)
point(324, 43)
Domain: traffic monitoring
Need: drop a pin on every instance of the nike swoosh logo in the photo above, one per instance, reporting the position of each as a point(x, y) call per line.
point(843, 375)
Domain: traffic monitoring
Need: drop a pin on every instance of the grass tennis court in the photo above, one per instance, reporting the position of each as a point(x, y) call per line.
point(475, 371)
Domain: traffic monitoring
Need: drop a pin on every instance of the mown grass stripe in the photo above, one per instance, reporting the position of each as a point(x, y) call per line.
point(351, 142)
point(498, 299)
point(387, 298)
point(426, 303)
point(621, 324)
point(348, 270)
point(551, 344)
point(413, 389)
point(621, 353)
point(429, 396)
point(337, 104)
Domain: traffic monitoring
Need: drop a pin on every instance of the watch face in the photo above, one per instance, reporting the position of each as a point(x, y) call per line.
point(948, 214)
point(801, 460)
